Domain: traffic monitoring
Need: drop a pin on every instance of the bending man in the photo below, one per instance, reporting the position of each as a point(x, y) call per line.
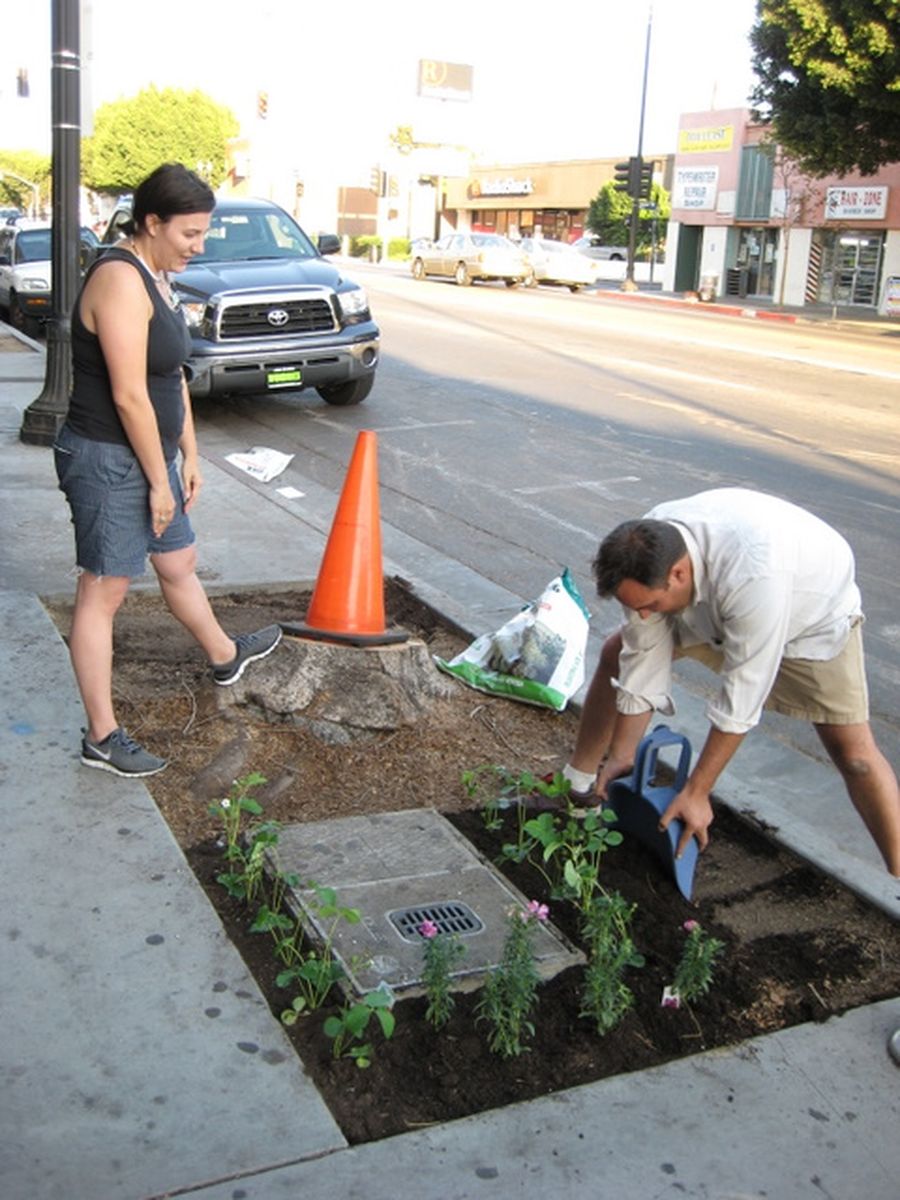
point(763, 593)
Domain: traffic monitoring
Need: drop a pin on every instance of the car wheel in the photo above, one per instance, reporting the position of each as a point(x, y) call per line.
point(575, 287)
point(418, 269)
point(512, 282)
point(461, 275)
point(347, 393)
point(19, 319)
point(530, 280)
point(616, 258)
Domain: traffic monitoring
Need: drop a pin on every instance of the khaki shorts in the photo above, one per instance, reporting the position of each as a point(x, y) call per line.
point(826, 692)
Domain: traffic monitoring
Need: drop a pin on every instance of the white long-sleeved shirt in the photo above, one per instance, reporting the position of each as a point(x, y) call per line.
point(771, 581)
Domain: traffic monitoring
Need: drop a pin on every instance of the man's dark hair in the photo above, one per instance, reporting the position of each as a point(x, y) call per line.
point(645, 551)
point(170, 191)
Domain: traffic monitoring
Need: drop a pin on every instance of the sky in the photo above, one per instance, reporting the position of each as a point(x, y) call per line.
point(340, 78)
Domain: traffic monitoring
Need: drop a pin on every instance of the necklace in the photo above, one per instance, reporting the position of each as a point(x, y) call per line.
point(160, 278)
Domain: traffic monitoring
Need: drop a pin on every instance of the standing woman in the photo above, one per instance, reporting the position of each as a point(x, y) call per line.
point(117, 457)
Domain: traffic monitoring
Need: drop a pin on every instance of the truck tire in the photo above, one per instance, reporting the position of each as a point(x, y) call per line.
point(342, 394)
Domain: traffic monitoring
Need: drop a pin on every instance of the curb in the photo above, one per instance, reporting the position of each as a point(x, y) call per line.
point(727, 310)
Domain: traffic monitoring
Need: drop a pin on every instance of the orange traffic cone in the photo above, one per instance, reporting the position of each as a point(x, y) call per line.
point(348, 600)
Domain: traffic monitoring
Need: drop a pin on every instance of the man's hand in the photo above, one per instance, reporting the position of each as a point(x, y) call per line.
point(693, 807)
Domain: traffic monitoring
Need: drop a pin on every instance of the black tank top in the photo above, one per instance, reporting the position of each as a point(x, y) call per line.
point(92, 410)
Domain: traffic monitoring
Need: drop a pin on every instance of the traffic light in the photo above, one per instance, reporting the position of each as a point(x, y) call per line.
point(262, 105)
point(645, 179)
point(623, 176)
point(378, 181)
point(393, 186)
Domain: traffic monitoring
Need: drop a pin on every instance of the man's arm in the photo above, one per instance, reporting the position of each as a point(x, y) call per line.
point(692, 804)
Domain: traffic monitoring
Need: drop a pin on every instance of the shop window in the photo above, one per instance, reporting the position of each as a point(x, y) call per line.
point(754, 197)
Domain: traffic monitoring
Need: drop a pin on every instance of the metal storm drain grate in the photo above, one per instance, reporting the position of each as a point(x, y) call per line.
point(448, 916)
point(398, 870)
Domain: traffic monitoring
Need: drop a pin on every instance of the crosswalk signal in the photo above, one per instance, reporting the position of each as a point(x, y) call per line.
point(262, 105)
point(623, 176)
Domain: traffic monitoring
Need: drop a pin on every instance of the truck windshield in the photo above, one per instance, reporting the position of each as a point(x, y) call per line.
point(240, 236)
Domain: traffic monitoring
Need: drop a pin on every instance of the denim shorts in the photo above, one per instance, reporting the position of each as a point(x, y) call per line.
point(109, 499)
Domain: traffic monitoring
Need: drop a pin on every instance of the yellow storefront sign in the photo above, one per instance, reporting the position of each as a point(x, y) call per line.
point(705, 141)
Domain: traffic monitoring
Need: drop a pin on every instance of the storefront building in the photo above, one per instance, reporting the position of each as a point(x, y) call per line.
point(747, 223)
point(548, 199)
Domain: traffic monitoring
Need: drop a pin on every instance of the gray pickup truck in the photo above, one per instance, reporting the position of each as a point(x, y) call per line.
point(267, 312)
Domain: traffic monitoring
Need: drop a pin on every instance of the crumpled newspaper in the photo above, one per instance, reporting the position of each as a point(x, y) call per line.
point(260, 462)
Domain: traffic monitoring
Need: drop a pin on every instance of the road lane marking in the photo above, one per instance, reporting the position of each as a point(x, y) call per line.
point(592, 485)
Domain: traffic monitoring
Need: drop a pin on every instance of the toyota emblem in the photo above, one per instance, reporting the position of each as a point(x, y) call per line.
point(277, 317)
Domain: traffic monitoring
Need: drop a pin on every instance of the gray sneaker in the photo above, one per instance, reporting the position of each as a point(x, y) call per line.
point(249, 648)
point(120, 754)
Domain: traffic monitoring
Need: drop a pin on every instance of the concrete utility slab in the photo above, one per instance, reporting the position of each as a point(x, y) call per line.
point(385, 862)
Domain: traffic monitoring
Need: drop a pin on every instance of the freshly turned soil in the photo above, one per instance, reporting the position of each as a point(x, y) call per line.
point(798, 946)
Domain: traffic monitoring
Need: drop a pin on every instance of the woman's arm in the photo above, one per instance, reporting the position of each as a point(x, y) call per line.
point(116, 307)
point(191, 478)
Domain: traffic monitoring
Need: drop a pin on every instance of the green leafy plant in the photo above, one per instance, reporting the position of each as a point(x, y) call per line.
point(311, 968)
point(694, 973)
point(510, 992)
point(442, 953)
point(243, 880)
point(606, 998)
point(352, 1021)
point(576, 846)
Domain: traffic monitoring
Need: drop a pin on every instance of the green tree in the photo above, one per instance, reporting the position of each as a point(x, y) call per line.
point(609, 214)
point(132, 137)
point(28, 165)
point(829, 81)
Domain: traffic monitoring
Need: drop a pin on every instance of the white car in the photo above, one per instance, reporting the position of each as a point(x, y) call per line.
point(25, 280)
point(592, 247)
point(557, 262)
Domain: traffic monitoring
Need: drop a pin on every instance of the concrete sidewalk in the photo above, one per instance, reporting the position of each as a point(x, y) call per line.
point(139, 1059)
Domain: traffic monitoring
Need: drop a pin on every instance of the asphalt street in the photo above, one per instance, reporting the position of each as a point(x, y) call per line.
point(516, 426)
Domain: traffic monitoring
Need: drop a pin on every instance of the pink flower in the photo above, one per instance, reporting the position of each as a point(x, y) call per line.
point(540, 912)
point(690, 926)
point(428, 929)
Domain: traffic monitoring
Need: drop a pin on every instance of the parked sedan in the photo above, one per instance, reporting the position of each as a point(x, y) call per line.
point(25, 261)
point(592, 247)
point(466, 257)
point(555, 262)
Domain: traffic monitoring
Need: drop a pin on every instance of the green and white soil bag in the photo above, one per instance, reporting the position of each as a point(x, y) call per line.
point(537, 656)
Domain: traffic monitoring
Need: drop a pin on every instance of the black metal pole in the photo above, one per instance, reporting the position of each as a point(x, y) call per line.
point(44, 415)
point(635, 199)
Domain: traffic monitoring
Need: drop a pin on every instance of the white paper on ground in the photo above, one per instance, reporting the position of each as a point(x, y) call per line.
point(260, 462)
point(290, 493)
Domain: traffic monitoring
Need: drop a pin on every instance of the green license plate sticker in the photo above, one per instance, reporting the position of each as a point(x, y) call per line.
point(283, 378)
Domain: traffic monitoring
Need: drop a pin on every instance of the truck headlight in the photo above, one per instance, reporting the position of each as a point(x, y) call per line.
point(353, 303)
point(193, 312)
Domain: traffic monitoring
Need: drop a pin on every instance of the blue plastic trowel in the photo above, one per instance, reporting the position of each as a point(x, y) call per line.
point(639, 803)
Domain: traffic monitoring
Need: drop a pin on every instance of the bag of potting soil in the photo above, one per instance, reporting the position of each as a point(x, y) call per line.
point(537, 656)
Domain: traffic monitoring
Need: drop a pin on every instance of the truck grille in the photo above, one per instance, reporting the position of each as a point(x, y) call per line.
point(252, 320)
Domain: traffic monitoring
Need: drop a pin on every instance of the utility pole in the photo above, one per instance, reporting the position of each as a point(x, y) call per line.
point(45, 415)
point(629, 285)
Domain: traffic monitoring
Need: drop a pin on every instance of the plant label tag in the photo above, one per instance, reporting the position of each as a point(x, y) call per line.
point(670, 998)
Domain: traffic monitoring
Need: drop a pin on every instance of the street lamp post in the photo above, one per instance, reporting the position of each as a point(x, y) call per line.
point(44, 415)
point(629, 284)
